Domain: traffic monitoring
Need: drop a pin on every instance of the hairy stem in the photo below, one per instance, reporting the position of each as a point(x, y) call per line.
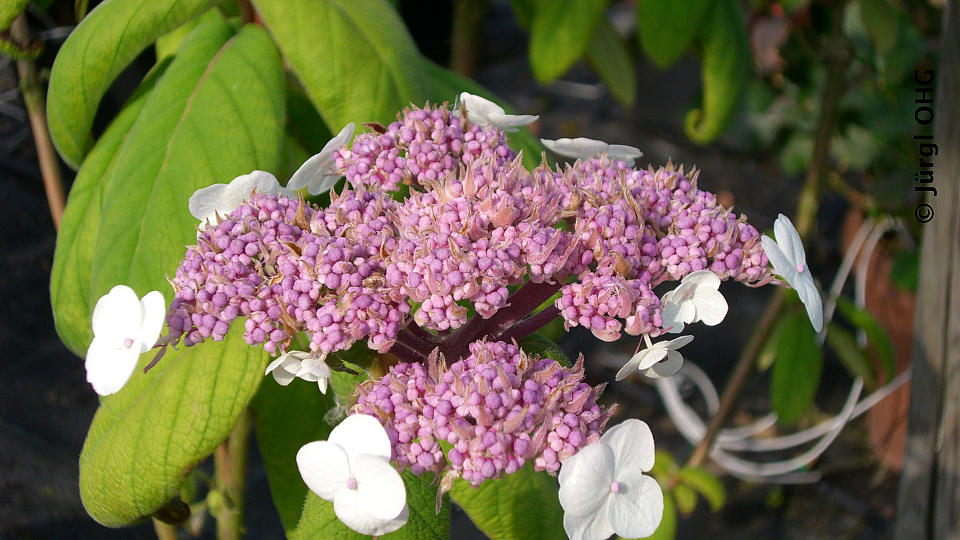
point(467, 25)
point(531, 324)
point(35, 100)
point(230, 468)
point(407, 354)
point(418, 331)
point(164, 531)
point(416, 343)
point(836, 52)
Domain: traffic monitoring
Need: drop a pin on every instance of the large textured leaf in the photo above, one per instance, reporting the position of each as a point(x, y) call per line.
point(726, 65)
point(609, 57)
point(354, 57)
point(666, 28)
point(560, 33)
point(446, 85)
point(286, 418)
point(167, 44)
point(101, 46)
point(320, 522)
point(217, 113)
point(796, 371)
point(70, 276)
point(520, 505)
point(145, 439)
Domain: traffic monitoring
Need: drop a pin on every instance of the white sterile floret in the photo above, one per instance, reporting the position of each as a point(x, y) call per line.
point(603, 490)
point(352, 470)
point(697, 298)
point(487, 113)
point(318, 174)
point(212, 202)
point(124, 327)
point(584, 148)
point(658, 360)
point(790, 262)
point(292, 364)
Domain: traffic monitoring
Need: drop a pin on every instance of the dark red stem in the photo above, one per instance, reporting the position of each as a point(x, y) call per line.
point(530, 325)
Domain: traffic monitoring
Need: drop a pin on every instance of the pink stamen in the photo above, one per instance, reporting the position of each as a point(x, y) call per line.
point(615, 487)
point(128, 343)
point(800, 268)
point(351, 483)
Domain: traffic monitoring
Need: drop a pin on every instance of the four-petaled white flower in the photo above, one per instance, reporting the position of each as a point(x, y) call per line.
point(584, 148)
point(292, 364)
point(209, 203)
point(352, 469)
point(487, 113)
point(603, 490)
point(318, 173)
point(697, 298)
point(790, 261)
point(658, 360)
point(124, 327)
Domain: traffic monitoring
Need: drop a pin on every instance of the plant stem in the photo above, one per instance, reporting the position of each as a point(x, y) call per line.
point(531, 324)
point(35, 100)
point(836, 51)
point(467, 24)
point(407, 354)
point(230, 466)
point(164, 531)
point(418, 344)
point(418, 331)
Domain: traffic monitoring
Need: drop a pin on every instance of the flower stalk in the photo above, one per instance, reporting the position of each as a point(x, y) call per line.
point(230, 470)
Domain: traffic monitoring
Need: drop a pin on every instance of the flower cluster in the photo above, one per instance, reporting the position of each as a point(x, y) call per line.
point(498, 408)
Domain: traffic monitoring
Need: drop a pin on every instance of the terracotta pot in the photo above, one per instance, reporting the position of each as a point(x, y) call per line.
point(893, 308)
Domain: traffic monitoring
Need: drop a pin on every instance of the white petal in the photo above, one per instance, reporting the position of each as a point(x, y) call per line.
point(322, 383)
point(631, 366)
point(585, 479)
point(676, 343)
point(479, 109)
point(579, 148)
point(590, 527)
point(702, 279)
point(317, 173)
point(362, 434)
point(687, 311)
point(509, 122)
point(108, 367)
point(670, 313)
point(153, 311)
point(781, 264)
point(653, 355)
point(349, 508)
point(117, 316)
point(636, 511)
point(313, 369)
point(379, 485)
point(711, 306)
point(810, 297)
point(241, 187)
point(206, 202)
point(284, 369)
point(789, 240)
point(324, 467)
point(632, 445)
point(624, 153)
point(666, 368)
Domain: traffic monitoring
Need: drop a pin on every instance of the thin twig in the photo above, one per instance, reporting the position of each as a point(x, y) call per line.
point(35, 100)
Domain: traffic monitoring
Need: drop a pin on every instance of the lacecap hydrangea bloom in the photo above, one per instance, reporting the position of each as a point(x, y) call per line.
point(437, 253)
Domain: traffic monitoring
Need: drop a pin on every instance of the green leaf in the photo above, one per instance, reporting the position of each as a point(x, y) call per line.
point(686, 499)
point(144, 440)
point(101, 46)
point(9, 10)
point(304, 122)
point(726, 66)
point(519, 505)
point(876, 335)
point(445, 85)
point(217, 113)
point(905, 271)
point(768, 353)
point(663, 466)
point(706, 484)
point(319, 520)
point(844, 345)
point(167, 44)
point(286, 418)
point(796, 372)
point(544, 347)
point(609, 57)
point(668, 524)
point(70, 276)
point(880, 20)
point(560, 33)
point(354, 57)
point(666, 28)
